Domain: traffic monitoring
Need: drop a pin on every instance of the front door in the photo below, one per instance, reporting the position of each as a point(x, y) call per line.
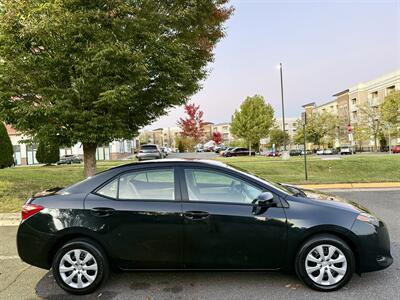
point(220, 229)
point(142, 219)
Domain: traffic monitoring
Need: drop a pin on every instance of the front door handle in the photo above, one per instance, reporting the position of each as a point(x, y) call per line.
point(196, 215)
point(102, 211)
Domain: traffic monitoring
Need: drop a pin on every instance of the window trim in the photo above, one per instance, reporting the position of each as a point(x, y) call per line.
point(185, 193)
point(177, 189)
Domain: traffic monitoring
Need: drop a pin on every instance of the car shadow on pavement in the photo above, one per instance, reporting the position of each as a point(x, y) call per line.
point(210, 285)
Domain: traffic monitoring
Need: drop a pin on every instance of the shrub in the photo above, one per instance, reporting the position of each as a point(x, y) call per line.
point(47, 153)
point(6, 148)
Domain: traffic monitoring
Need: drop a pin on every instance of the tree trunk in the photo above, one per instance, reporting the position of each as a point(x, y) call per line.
point(89, 159)
point(249, 149)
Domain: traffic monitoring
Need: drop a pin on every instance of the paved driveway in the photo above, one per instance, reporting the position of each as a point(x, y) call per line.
point(19, 281)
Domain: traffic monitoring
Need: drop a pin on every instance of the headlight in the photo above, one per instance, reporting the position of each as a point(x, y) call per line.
point(364, 217)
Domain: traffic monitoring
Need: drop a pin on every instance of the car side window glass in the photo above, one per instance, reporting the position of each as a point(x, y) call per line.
point(147, 185)
point(110, 189)
point(214, 186)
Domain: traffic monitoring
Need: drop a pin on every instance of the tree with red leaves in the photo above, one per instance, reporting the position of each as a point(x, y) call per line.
point(193, 125)
point(217, 137)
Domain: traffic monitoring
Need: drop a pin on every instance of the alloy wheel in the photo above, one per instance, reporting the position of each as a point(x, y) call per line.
point(326, 265)
point(78, 268)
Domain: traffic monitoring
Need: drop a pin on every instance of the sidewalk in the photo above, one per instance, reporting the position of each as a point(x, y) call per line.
point(10, 219)
point(345, 186)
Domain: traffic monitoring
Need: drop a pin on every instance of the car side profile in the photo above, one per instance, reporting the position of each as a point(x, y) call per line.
point(197, 215)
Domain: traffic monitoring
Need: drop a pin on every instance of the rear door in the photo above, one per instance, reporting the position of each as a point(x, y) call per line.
point(140, 218)
point(220, 229)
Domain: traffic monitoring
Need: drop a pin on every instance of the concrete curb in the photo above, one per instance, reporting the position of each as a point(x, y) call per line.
point(10, 219)
point(348, 186)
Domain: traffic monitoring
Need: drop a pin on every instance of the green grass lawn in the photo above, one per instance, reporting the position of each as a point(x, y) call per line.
point(357, 168)
point(18, 184)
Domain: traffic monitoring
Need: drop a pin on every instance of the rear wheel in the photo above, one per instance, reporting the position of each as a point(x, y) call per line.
point(80, 266)
point(325, 263)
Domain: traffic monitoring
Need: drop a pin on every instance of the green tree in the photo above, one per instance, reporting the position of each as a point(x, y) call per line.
point(277, 137)
point(361, 133)
point(6, 148)
point(95, 71)
point(47, 152)
point(370, 118)
point(253, 121)
point(321, 128)
point(390, 109)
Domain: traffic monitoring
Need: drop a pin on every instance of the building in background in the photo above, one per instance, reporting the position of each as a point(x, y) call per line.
point(225, 130)
point(25, 153)
point(347, 104)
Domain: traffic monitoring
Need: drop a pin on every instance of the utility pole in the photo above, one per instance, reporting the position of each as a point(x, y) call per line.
point(283, 109)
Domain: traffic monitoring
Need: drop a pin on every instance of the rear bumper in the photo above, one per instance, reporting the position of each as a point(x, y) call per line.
point(33, 246)
point(148, 156)
point(373, 246)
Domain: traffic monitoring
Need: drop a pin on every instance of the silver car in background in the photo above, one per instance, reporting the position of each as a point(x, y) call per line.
point(149, 151)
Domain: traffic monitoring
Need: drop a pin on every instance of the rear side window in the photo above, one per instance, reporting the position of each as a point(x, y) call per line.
point(142, 185)
point(110, 190)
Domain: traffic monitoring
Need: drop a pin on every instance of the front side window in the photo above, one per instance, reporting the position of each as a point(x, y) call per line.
point(214, 186)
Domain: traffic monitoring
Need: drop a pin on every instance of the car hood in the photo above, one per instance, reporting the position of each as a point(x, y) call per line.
point(334, 201)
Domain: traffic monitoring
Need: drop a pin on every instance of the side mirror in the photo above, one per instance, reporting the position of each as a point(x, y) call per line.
point(265, 199)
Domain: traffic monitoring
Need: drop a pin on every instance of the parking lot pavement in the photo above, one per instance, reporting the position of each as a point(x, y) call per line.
point(19, 281)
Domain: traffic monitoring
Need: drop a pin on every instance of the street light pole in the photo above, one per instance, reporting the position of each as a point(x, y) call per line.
point(305, 146)
point(283, 109)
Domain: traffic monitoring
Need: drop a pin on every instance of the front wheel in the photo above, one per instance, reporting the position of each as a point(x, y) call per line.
point(80, 267)
point(325, 263)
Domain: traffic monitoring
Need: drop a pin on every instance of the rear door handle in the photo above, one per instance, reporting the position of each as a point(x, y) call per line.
point(102, 211)
point(196, 215)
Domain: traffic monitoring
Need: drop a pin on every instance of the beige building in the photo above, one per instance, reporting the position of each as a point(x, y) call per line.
point(225, 130)
point(346, 106)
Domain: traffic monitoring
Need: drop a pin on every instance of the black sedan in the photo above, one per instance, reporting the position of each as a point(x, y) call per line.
point(239, 152)
point(197, 215)
point(69, 159)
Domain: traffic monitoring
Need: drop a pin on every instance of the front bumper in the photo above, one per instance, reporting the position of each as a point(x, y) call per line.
point(373, 246)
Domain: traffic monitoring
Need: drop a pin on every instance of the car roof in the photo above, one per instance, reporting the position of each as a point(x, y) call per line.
point(176, 160)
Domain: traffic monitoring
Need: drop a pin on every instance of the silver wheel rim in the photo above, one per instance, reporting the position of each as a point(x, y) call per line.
point(326, 265)
point(78, 268)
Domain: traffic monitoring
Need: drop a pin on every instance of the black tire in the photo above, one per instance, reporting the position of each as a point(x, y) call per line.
point(309, 245)
point(96, 251)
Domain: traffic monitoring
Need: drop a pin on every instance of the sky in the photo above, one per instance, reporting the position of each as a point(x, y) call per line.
point(325, 47)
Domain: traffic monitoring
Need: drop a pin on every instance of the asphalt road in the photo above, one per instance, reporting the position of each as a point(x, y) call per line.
point(20, 281)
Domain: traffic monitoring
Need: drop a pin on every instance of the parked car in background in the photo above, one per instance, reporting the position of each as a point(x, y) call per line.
point(309, 152)
point(219, 148)
point(273, 153)
point(131, 218)
point(320, 152)
point(396, 149)
point(330, 151)
point(149, 151)
point(199, 148)
point(164, 151)
point(346, 150)
point(238, 151)
point(224, 152)
point(294, 152)
point(69, 159)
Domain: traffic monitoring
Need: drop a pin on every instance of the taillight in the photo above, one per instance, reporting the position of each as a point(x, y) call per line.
point(29, 210)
